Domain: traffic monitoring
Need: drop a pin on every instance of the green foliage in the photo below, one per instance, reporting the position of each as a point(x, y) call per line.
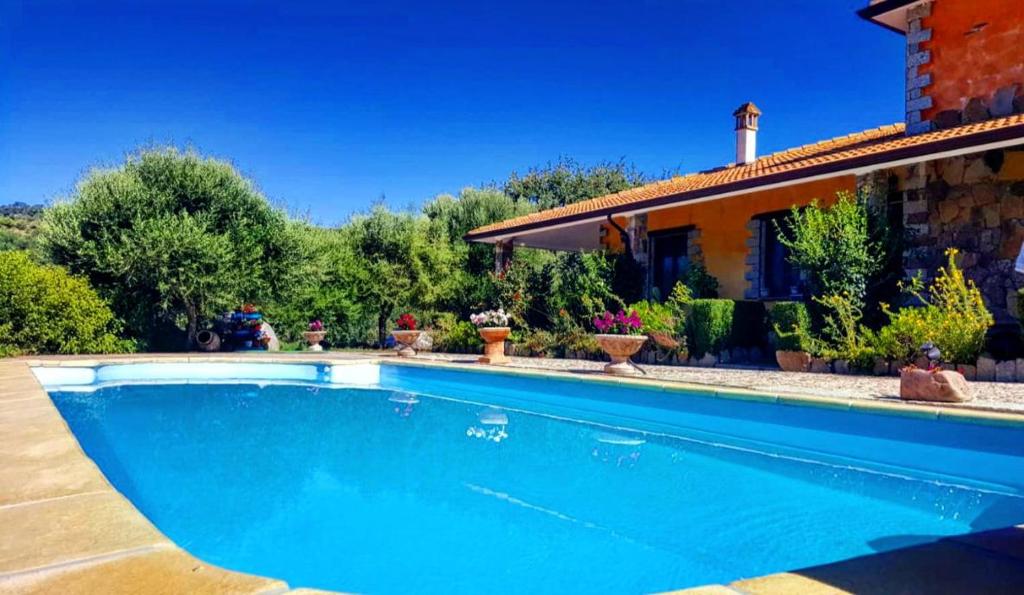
point(455, 336)
point(458, 215)
point(709, 325)
point(791, 323)
point(845, 337)
point(324, 289)
point(43, 309)
point(748, 324)
point(835, 246)
point(169, 237)
point(953, 316)
point(578, 340)
point(539, 343)
point(567, 182)
point(582, 286)
point(400, 260)
point(656, 318)
point(702, 284)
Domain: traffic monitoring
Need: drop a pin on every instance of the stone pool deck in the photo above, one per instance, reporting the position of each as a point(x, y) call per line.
point(65, 529)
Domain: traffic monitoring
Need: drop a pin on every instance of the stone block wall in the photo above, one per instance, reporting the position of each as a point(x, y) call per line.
point(974, 203)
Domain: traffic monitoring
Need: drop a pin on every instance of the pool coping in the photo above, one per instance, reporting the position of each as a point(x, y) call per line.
point(44, 474)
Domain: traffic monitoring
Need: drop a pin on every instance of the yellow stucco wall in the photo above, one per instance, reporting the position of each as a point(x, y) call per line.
point(723, 224)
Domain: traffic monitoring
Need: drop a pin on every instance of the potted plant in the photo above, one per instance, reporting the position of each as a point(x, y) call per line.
point(493, 328)
point(315, 335)
point(620, 336)
point(791, 323)
point(406, 334)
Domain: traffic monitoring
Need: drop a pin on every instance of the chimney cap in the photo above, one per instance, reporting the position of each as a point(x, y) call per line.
point(747, 108)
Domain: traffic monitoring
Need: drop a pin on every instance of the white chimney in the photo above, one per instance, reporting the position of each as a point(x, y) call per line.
point(746, 132)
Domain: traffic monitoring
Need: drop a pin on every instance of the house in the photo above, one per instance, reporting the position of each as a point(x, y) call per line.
point(952, 174)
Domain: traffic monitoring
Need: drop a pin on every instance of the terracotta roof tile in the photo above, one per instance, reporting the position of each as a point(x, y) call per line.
point(853, 150)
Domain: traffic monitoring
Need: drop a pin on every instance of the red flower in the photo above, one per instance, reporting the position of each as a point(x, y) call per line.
point(406, 322)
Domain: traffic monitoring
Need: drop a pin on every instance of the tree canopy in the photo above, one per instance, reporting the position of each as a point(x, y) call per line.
point(171, 236)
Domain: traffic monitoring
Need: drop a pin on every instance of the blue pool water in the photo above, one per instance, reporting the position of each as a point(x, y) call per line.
point(443, 481)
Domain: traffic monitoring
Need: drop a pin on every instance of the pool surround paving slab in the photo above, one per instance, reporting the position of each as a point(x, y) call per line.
point(66, 529)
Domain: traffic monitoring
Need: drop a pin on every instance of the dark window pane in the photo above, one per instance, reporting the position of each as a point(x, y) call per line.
point(668, 260)
point(779, 278)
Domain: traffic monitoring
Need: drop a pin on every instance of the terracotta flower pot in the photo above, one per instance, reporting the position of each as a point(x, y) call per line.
point(406, 339)
point(314, 338)
point(620, 348)
point(494, 344)
point(793, 361)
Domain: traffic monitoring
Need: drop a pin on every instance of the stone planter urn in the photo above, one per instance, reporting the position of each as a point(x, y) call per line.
point(494, 344)
point(620, 348)
point(793, 361)
point(314, 338)
point(406, 339)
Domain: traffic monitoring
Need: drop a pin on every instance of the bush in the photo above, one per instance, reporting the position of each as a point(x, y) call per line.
point(954, 318)
point(837, 246)
point(702, 284)
point(578, 340)
point(748, 324)
point(455, 336)
point(709, 325)
point(43, 309)
point(791, 323)
point(846, 337)
point(539, 344)
point(656, 318)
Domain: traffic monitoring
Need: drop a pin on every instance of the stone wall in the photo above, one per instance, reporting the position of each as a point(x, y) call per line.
point(974, 203)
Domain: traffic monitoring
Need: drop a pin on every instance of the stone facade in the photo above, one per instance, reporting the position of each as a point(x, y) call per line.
point(752, 265)
point(963, 63)
point(974, 203)
point(917, 99)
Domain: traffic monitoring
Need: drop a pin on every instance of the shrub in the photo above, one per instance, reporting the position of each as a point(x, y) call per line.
point(954, 317)
point(578, 340)
point(43, 309)
point(791, 323)
point(835, 245)
point(656, 318)
point(748, 324)
point(846, 337)
point(908, 329)
point(539, 344)
point(453, 335)
point(702, 284)
point(709, 325)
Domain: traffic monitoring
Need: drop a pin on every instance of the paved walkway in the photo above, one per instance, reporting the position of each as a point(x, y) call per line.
point(997, 396)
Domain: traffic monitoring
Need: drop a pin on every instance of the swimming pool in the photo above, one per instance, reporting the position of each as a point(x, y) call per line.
point(404, 478)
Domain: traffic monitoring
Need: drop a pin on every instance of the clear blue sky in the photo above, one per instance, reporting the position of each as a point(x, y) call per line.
point(328, 106)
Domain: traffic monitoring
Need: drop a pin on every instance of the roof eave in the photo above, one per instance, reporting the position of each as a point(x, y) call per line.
point(875, 12)
point(854, 166)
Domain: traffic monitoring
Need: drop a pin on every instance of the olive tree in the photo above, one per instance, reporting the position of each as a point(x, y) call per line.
point(399, 260)
point(171, 237)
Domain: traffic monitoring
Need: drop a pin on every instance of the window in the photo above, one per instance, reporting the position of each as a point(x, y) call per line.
point(779, 278)
point(669, 259)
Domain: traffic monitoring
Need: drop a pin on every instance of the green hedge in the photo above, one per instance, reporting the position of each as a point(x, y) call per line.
point(791, 323)
point(710, 325)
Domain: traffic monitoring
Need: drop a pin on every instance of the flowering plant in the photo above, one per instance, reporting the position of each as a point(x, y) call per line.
point(490, 318)
point(316, 326)
point(406, 322)
point(619, 324)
